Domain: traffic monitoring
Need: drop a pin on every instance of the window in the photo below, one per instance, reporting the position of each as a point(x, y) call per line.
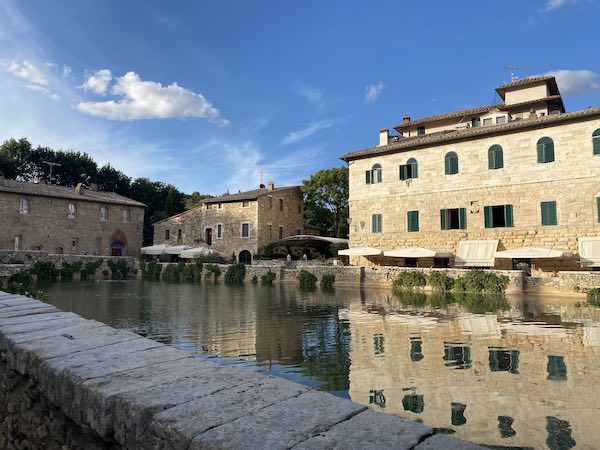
point(596, 142)
point(451, 163)
point(500, 119)
point(457, 415)
point(245, 232)
point(103, 213)
point(487, 122)
point(505, 426)
point(416, 349)
point(412, 220)
point(72, 211)
point(545, 150)
point(379, 344)
point(18, 243)
point(280, 231)
point(502, 360)
point(475, 122)
point(409, 170)
point(270, 229)
point(376, 223)
point(209, 206)
point(500, 216)
point(548, 213)
point(374, 175)
point(97, 246)
point(74, 246)
point(299, 209)
point(413, 403)
point(126, 215)
point(246, 204)
point(376, 397)
point(556, 368)
point(179, 234)
point(167, 234)
point(280, 204)
point(453, 219)
point(518, 116)
point(495, 157)
point(420, 131)
point(24, 206)
point(219, 231)
point(457, 356)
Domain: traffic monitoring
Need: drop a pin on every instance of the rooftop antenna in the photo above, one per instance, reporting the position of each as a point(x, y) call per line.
point(512, 69)
point(51, 164)
point(262, 175)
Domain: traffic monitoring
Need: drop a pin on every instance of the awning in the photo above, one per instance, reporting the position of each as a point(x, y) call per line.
point(360, 251)
point(164, 249)
point(416, 252)
point(532, 253)
point(476, 253)
point(196, 252)
point(589, 251)
point(308, 240)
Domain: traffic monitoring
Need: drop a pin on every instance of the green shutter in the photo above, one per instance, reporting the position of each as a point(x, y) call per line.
point(540, 152)
point(508, 215)
point(412, 218)
point(598, 208)
point(545, 150)
point(447, 165)
point(443, 219)
point(596, 142)
point(403, 172)
point(416, 221)
point(550, 151)
point(487, 216)
point(462, 218)
point(553, 216)
point(368, 176)
point(549, 216)
point(491, 159)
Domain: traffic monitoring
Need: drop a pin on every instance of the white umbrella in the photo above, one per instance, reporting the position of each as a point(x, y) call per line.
point(416, 252)
point(158, 249)
point(196, 252)
point(532, 253)
point(360, 251)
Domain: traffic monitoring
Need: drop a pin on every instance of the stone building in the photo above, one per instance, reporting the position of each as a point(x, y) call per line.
point(237, 224)
point(60, 219)
point(520, 173)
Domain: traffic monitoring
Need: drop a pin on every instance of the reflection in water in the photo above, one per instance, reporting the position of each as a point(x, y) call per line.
point(513, 372)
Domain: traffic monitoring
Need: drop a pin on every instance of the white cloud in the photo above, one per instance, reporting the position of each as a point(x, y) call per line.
point(98, 82)
point(373, 91)
point(556, 4)
point(311, 95)
point(312, 129)
point(43, 90)
point(151, 100)
point(28, 70)
point(576, 82)
point(66, 71)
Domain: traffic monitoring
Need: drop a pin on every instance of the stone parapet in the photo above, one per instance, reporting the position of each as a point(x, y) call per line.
point(67, 381)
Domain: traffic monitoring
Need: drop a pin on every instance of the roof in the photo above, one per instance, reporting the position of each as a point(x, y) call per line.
point(450, 115)
point(471, 133)
point(55, 191)
point(248, 195)
point(529, 80)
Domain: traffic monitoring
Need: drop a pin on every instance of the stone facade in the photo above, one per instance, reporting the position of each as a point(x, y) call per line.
point(237, 224)
point(571, 180)
point(59, 219)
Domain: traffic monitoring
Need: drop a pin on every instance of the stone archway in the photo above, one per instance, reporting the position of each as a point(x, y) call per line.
point(118, 243)
point(245, 257)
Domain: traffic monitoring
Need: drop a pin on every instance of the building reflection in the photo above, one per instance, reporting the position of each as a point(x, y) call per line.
point(524, 376)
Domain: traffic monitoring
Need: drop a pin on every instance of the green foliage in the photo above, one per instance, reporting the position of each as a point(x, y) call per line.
point(270, 251)
point(409, 280)
point(22, 284)
point(171, 273)
point(194, 199)
point(89, 269)
point(411, 298)
point(333, 249)
point(68, 269)
point(118, 268)
point(326, 200)
point(45, 272)
point(22, 278)
point(151, 271)
point(481, 281)
point(254, 280)
point(212, 257)
point(327, 281)
point(268, 278)
point(235, 274)
point(440, 281)
point(308, 281)
point(232, 258)
point(481, 304)
point(593, 296)
point(212, 270)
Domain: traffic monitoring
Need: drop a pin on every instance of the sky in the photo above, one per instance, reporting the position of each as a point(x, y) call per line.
point(219, 96)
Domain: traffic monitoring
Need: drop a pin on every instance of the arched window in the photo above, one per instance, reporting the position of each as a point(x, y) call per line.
point(374, 175)
point(545, 150)
point(409, 170)
point(495, 157)
point(451, 161)
point(596, 142)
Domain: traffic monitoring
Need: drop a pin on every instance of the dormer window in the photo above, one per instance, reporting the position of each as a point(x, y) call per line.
point(500, 119)
point(487, 122)
point(420, 131)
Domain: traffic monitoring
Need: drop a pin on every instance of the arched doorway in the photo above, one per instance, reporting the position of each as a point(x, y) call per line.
point(118, 242)
point(245, 257)
point(58, 250)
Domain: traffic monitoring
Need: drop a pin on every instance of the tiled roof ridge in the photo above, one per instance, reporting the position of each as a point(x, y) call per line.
point(526, 80)
point(450, 135)
point(246, 195)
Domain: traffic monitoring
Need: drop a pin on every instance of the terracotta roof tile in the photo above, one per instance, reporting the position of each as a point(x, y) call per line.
point(248, 195)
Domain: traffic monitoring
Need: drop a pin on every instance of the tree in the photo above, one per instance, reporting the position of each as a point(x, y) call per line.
point(113, 180)
point(194, 199)
point(326, 200)
point(15, 157)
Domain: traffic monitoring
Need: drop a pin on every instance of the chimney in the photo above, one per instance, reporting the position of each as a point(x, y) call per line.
point(532, 114)
point(406, 119)
point(271, 186)
point(384, 136)
point(93, 186)
point(79, 189)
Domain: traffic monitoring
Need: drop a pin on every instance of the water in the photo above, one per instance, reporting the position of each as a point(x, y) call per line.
point(514, 371)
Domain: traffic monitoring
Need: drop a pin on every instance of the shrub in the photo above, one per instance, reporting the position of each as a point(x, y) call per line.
point(171, 272)
point(151, 271)
point(89, 269)
point(307, 280)
point(254, 280)
point(235, 274)
point(480, 281)
point(268, 278)
point(212, 270)
point(118, 269)
point(327, 281)
point(593, 297)
point(409, 280)
point(68, 269)
point(22, 278)
point(45, 271)
point(439, 281)
point(212, 257)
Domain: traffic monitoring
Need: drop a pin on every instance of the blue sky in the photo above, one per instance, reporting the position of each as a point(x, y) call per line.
point(212, 96)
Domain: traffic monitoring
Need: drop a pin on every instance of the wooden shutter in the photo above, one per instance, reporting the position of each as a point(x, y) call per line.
point(508, 215)
point(491, 159)
point(368, 176)
point(540, 152)
point(462, 218)
point(443, 219)
point(447, 165)
point(549, 151)
point(553, 217)
point(413, 220)
point(487, 216)
point(596, 142)
point(403, 172)
point(549, 213)
point(379, 175)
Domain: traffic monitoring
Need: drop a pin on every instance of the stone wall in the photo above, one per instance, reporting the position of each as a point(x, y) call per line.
point(97, 387)
point(564, 281)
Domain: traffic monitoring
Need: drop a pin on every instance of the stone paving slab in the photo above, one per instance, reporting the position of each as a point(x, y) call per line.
point(22, 310)
point(40, 320)
point(443, 441)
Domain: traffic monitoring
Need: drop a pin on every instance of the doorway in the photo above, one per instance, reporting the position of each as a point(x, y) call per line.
point(245, 257)
point(208, 236)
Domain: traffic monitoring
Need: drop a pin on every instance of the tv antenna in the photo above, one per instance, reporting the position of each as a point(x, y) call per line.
point(512, 69)
point(51, 164)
